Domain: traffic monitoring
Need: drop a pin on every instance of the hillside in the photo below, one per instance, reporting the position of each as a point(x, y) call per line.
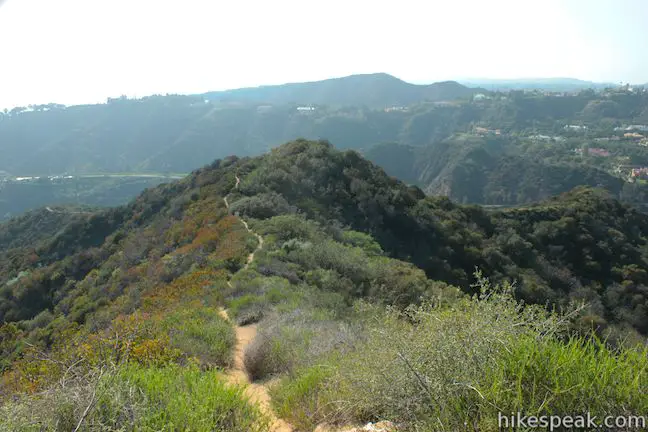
point(18, 196)
point(176, 134)
point(499, 171)
point(35, 227)
point(313, 179)
point(115, 321)
point(378, 90)
point(162, 135)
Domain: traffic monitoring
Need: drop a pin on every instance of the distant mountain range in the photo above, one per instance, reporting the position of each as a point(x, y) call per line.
point(549, 84)
point(372, 90)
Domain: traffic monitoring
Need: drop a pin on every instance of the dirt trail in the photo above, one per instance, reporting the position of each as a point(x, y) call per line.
point(257, 392)
point(250, 257)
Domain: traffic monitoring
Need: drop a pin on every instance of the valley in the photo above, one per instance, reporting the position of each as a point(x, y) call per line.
point(22, 193)
point(474, 145)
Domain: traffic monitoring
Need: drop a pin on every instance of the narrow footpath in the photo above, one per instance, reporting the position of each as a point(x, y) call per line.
point(257, 392)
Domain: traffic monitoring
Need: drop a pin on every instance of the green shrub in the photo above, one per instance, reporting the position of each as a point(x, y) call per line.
point(136, 398)
point(303, 397)
point(252, 297)
point(186, 399)
point(297, 339)
point(455, 366)
point(202, 333)
point(544, 375)
point(282, 228)
point(262, 206)
point(363, 241)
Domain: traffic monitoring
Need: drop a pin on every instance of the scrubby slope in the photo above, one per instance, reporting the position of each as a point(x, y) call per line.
point(120, 312)
point(448, 241)
point(492, 171)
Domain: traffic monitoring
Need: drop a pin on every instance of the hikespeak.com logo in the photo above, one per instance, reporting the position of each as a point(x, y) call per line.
point(587, 421)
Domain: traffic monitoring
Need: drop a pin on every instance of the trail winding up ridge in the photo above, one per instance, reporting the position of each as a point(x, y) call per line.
point(257, 392)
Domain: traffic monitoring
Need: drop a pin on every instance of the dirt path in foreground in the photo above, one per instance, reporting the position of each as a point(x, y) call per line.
point(258, 393)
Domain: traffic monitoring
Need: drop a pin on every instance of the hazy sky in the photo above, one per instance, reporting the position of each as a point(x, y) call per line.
point(77, 51)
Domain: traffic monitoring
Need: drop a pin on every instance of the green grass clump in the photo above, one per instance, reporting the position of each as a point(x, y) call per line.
point(297, 338)
point(277, 348)
point(202, 333)
point(186, 399)
point(247, 309)
point(135, 398)
point(454, 367)
point(253, 295)
point(545, 375)
point(305, 390)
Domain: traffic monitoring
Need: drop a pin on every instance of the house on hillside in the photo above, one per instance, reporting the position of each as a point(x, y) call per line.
point(575, 127)
point(445, 103)
point(547, 138)
point(639, 173)
point(633, 136)
point(480, 97)
point(640, 128)
point(305, 108)
point(599, 152)
point(540, 138)
point(396, 108)
point(482, 131)
point(594, 151)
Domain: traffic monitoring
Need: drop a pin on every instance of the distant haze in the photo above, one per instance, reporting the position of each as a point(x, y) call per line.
point(80, 51)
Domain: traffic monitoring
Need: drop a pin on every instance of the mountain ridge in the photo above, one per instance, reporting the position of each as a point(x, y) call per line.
point(325, 184)
point(375, 90)
point(325, 260)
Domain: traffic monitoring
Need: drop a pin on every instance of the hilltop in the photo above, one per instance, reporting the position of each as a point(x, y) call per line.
point(497, 145)
point(329, 186)
point(293, 268)
point(172, 134)
point(377, 90)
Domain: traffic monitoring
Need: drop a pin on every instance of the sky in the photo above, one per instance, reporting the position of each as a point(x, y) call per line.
point(83, 51)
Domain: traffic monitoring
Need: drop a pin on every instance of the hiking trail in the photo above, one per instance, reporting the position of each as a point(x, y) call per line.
point(257, 392)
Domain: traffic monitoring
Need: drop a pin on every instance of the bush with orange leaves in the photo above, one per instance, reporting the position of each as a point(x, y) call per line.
point(131, 338)
point(198, 284)
point(136, 337)
point(157, 285)
point(200, 214)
